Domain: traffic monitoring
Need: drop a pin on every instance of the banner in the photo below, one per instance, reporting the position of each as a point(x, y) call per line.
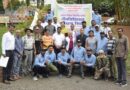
point(74, 13)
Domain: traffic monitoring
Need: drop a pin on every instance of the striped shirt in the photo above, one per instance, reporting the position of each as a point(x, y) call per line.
point(111, 44)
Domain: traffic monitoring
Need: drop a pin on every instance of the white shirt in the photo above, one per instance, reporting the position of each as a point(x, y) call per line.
point(8, 42)
point(44, 24)
point(28, 42)
point(106, 29)
point(58, 39)
point(56, 25)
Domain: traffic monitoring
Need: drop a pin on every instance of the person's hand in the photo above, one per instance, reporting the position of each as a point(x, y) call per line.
point(82, 62)
point(47, 61)
point(59, 62)
point(125, 57)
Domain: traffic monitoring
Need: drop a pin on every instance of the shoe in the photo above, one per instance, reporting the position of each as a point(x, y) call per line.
point(118, 82)
point(60, 76)
point(11, 79)
point(6, 82)
point(82, 76)
point(69, 76)
point(35, 78)
point(124, 84)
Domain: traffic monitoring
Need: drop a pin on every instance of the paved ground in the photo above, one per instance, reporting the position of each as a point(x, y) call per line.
point(55, 83)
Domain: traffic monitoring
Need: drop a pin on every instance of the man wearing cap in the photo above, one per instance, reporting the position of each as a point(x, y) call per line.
point(62, 61)
point(39, 67)
point(106, 28)
point(28, 41)
point(97, 31)
point(49, 15)
point(101, 66)
point(121, 54)
point(8, 46)
point(89, 62)
point(77, 57)
point(50, 59)
point(102, 42)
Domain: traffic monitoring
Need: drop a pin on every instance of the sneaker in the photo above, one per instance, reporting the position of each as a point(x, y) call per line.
point(82, 76)
point(60, 75)
point(69, 76)
point(35, 78)
point(118, 83)
point(123, 84)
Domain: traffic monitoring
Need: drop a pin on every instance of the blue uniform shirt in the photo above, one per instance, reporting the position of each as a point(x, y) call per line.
point(102, 44)
point(39, 60)
point(51, 57)
point(78, 53)
point(90, 61)
point(63, 58)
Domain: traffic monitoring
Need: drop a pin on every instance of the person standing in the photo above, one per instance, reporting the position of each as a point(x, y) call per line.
point(29, 42)
point(91, 42)
point(110, 54)
point(8, 46)
point(82, 37)
point(70, 42)
point(121, 53)
point(47, 40)
point(18, 54)
point(50, 28)
point(58, 39)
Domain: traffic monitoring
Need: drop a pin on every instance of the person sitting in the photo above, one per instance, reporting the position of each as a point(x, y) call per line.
point(101, 66)
point(39, 67)
point(50, 59)
point(77, 56)
point(62, 61)
point(90, 60)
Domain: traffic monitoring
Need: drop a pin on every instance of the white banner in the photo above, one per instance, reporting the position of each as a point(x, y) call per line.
point(74, 13)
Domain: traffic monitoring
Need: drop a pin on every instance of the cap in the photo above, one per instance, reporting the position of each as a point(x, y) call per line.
point(89, 49)
point(101, 51)
point(102, 32)
point(96, 25)
point(78, 41)
point(63, 47)
point(26, 29)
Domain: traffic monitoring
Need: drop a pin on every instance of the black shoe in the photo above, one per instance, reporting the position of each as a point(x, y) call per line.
point(118, 82)
point(123, 84)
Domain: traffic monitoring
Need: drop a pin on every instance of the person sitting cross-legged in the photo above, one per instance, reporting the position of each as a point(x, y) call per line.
point(62, 62)
point(39, 67)
point(89, 62)
point(102, 66)
point(77, 56)
point(50, 59)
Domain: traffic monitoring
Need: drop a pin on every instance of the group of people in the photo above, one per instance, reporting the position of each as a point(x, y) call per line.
point(51, 47)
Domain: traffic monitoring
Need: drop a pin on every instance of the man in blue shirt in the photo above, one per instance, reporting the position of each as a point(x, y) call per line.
point(102, 42)
point(77, 57)
point(39, 66)
point(97, 17)
point(62, 61)
point(50, 59)
point(89, 62)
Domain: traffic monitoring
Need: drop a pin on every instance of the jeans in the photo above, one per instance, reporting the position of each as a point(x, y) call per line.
point(121, 68)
